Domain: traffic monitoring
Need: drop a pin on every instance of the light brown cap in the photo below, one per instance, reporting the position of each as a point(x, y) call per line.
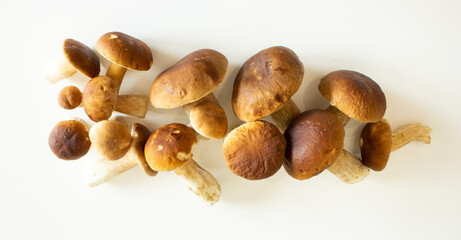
point(69, 140)
point(254, 150)
point(169, 147)
point(111, 139)
point(265, 82)
point(189, 80)
point(81, 57)
point(99, 98)
point(140, 134)
point(70, 97)
point(209, 119)
point(125, 51)
point(354, 94)
point(315, 140)
point(375, 144)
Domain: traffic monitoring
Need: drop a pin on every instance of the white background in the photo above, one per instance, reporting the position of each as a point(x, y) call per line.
point(412, 49)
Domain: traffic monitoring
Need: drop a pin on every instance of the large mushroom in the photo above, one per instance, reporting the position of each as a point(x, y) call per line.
point(69, 140)
point(169, 149)
point(77, 57)
point(265, 84)
point(190, 83)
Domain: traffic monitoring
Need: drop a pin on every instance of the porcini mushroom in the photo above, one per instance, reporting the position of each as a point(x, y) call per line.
point(265, 84)
point(111, 139)
point(70, 97)
point(69, 140)
point(254, 150)
point(102, 170)
point(377, 141)
point(77, 57)
point(189, 83)
point(169, 148)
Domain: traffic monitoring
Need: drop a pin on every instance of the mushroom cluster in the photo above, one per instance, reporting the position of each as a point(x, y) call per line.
point(304, 143)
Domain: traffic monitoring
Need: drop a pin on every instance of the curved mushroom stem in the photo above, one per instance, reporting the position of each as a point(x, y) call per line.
point(349, 168)
point(285, 114)
point(133, 105)
point(410, 133)
point(342, 117)
point(200, 181)
point(62, 70)
point(116, 72)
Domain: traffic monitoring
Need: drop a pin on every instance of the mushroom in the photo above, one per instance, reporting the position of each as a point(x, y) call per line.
point(100, 99)
point(377, 141)
point(189, 83)
point(70, 97)
point(102, 170)
point(265, 84)
point(254, 150)
point(314, 142)
point(169, 148)
point(77, 57)
point(111, 139)
point(69, 140)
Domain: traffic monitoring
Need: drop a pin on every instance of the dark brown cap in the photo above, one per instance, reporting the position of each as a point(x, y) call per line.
point(81, 57)
point(99, 98)
point(314, 142)
point(354, 94)
point(189, 80)
point(375, 144)
point(69, 140)
point(254, 150)
point(169, 147)
point(70, 97)
point(125, 51)
point(111, 139)
point(265, 82)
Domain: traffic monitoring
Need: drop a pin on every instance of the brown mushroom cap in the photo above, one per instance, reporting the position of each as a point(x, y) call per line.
point(111, 139)
point(254, 150)
point(125, 50)
point(81, 57)
point(70, 97)
point(375, 144)
point(140, 134)
point(265, 82)
point(99, 98)
point(314, 142)
point(169, 147)
point(69, 140)
point(209, 120)
point(354, 94)
point(189, 80)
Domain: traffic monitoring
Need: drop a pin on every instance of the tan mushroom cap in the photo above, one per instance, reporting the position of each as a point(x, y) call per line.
point(70, 97)
point(209, 120)
point(314, 142)
point(140, 134)
point(189, 80)
point(169, 147)
point(354, 94)
point(111, 139)
point(375, 144)
point(99, 98)
point(81, 57)
point(125, 50)
point(265, 82)
point(254, 150)
point(69, 140)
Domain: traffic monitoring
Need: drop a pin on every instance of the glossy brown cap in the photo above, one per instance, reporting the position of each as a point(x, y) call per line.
point(254, 150)
point(82, 58)
point(189, 80)
point(111, 139)
point(209, 120)
point(169, 147)
point(125, 51)
point(69, 140)
point(354, 94)
point(99, 98)
point(314, 142)
point(265, 82)
point(70, 97)
point(375, 144)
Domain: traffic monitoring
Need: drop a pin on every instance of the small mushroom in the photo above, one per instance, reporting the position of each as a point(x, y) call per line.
point(70, 97)
point(102, 170)
point(111, 139)
point(69, 140)
point(254, 150)
point(377, 141)
point(189, 83)
point(77, 57)
point(265, 84)
point(169, 148)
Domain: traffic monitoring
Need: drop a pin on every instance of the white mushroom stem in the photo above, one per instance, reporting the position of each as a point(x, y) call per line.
point(415, 132)
point(102, 170)
point(61, 70)
point(342, 117)
point(285, 115)
point(116, 72)
point(133, 105)
point(200, 181)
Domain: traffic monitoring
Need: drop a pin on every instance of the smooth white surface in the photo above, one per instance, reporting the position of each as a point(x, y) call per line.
point(411, 48)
